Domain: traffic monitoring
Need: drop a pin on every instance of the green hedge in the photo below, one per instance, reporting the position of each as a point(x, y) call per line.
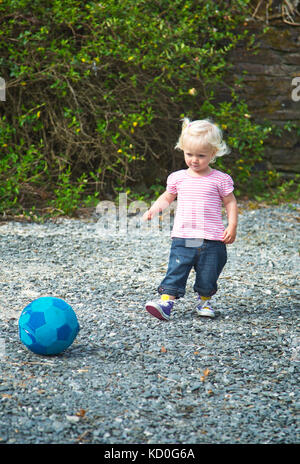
point(96, 90)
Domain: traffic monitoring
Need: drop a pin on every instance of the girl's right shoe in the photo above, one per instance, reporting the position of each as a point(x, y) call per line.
point(160, 309)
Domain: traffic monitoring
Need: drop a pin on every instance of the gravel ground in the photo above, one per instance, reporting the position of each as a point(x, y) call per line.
point(130, 378)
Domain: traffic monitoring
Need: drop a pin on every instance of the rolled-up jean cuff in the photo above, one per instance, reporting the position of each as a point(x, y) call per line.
point(178, 293)
point(203, 292)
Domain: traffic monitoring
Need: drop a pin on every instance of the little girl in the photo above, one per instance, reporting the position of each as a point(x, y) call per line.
point(198, 236)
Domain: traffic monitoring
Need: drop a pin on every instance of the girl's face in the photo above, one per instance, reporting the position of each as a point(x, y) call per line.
point(197, 157)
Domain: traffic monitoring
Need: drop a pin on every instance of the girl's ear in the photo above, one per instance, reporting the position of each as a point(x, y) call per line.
point(213, 157)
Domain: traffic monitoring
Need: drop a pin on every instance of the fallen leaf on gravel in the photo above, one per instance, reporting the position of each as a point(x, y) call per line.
point(205, 374)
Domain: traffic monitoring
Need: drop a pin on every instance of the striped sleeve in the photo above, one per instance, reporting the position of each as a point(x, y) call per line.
point(225, 186)
point(171, 184)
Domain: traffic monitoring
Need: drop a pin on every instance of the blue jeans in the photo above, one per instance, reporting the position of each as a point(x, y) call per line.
point(207, 257)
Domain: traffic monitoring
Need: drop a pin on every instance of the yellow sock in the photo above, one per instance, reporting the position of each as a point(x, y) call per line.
point(204, 298)
point(165, 297)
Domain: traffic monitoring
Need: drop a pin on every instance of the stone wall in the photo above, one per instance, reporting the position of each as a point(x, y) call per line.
point(268, 89)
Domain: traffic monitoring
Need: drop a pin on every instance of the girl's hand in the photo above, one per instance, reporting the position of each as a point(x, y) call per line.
point(161, 203)
point(229, 234)
point(148, 215)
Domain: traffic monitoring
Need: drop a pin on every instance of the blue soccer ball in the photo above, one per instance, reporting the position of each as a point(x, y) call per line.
point(48, 325)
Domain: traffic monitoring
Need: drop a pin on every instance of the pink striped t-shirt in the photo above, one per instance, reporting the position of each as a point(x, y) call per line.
point(199, 203)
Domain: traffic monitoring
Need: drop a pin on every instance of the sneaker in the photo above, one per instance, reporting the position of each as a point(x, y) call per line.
point(160, 309)
point(204, 309)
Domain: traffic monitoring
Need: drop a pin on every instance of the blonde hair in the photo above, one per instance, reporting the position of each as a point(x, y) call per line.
point(205, 132)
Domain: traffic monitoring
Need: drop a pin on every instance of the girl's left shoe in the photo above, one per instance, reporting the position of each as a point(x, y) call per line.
point(204, 308)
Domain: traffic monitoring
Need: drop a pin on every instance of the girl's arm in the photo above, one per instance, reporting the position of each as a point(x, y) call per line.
point(161, 203)
point(230, 204)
